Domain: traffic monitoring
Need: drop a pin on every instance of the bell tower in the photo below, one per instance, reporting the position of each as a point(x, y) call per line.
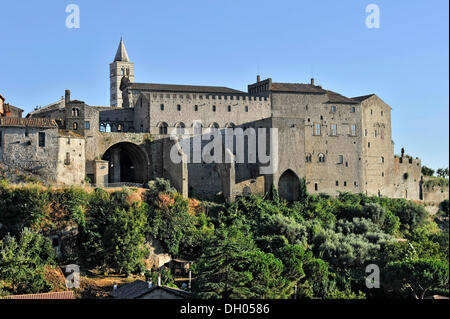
point(117, 70)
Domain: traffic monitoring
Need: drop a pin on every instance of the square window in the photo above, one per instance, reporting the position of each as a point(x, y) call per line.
point(340, 159)
point(333, 129)
point(333, 108)
point(162, 107)
point(317, 129)
point(214, 108)
point(87, 125)
point(178, 107)
point(353, 110)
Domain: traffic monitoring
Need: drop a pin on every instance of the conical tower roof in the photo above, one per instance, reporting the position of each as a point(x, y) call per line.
point(121, 54)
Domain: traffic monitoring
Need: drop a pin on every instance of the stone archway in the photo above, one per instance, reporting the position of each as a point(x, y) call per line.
point(289, 186)
point(127, 163)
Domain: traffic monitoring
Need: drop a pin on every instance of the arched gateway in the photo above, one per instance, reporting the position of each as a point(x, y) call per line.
point(289, 186)
point(127, 163)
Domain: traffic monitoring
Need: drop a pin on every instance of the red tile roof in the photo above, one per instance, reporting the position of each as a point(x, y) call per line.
point(67, 133)
point(30, 122)
point(48, 295)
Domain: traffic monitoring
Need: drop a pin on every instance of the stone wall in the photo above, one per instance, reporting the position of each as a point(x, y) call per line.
point(434, 193)
point(378, 149)
point(341, 167)
point(71, 160)
point(243, 109)
point(20, 148)
point(406, 178)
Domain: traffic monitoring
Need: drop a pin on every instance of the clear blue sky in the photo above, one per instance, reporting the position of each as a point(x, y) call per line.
point(405, 61)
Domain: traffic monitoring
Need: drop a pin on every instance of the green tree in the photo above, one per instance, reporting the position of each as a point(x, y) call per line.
point(303, 193)
point(124, 240)
point(114, 234)
point(232, 267)
point(418, 276)
point(426, 171)
point(22, 262)
point(442, 172)
point(170, 222)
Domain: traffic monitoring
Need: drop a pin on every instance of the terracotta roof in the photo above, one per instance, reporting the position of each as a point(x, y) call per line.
point(297, 88)
point(102, 108)
point(30, 122)
point(362, 98)
point(48, 295)
point(13, 107)
point(334, 97)
point(53, 106)
point(68, 133)
point(76, 101)
point(183, 88)
point(138, 288)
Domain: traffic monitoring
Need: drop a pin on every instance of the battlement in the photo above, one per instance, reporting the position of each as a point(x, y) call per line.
point(406, 159)
point(200, 96)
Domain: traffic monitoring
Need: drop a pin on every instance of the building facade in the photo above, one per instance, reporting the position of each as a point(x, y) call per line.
point(337, 143)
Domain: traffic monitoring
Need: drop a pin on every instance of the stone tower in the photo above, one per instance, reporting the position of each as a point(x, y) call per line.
point(117, 70)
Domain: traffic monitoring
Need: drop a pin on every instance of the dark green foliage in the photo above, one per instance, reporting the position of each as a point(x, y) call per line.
point(21, 207)
point(170, 222)
point(232, 267)
point(22, 262)
point(442, 172)
point(303, 194)
point(114, 234)
point(426, 171)
point(255, 247)
point(444, 206)
point(416, 276)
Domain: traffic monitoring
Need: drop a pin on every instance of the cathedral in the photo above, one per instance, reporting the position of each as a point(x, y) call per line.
point(336, 143)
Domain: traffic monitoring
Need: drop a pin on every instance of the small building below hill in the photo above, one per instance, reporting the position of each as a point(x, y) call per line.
point(140, 289)
point(47, 295)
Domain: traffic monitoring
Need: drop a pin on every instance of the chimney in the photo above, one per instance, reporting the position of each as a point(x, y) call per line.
point(67, 96)
point(312, 81)
point(258, 78)
point(159, 279)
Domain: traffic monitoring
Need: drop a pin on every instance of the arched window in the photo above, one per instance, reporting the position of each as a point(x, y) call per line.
point(108, 128)
point(102, 127)
point(308, 158)
point(214, 125)
point(75, 126)
point(321, 158)
point(180, 128)
point(230, 125)
point(119, 127)
point(163, 128)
